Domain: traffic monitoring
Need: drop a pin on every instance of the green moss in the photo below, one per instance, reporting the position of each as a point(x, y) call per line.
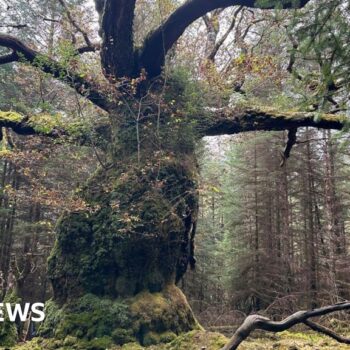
point(45, 123)
point(10, 117)
point(167, 337)
point(70, 341)
point(122, 336)
point(195, 340)
point(131, 237)
point(77, 129)
point(198, 340)
point(99, 344)
point(5, 153)
point(132, 346)
point(148, 318)
point(151, 338)
point(8, 330)
point(158, 315)
point(295, 114)
point(53, 315)
point(88, 317)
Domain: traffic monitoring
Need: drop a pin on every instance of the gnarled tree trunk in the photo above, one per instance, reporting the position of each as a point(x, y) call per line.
point(134, 239)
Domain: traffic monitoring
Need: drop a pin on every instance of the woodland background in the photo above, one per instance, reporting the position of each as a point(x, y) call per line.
point(270, 238)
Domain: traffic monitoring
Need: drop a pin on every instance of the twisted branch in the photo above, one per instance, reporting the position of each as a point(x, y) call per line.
point(254, 322)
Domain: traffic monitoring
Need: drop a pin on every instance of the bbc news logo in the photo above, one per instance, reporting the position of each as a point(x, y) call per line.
point(18, 312)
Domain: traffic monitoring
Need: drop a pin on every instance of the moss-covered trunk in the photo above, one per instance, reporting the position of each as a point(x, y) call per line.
point(116, 262)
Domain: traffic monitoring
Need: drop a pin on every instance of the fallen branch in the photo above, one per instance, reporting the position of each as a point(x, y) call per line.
point(254, 322)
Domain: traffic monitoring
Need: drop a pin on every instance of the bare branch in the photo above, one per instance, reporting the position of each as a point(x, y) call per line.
point(23, 53)
point(292, 58)
point(254, 322)
point(15, 26)
point(159, 42)
point(47, 19)
point(75, 24)
point(292, 140)
point(217, 46)
point(213, 28)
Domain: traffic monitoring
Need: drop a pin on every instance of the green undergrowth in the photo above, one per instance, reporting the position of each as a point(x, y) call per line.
point(195, 340)
point(289, 340)
point(189, 341)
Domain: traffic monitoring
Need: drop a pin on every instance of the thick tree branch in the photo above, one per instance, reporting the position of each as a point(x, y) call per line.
point(233, 121)
point(93, 48)
point(23, 125)
point(52, 127)
point(16, 26)
point(11, 57)
point(23, 53)
point(254, 322)
point(158, 43)
point(116, 30)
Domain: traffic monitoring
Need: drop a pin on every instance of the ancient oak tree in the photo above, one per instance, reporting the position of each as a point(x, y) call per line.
point(135, 239)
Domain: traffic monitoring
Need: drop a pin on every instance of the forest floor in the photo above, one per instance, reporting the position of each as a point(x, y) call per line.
point(293, 341)
point(198, 340)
